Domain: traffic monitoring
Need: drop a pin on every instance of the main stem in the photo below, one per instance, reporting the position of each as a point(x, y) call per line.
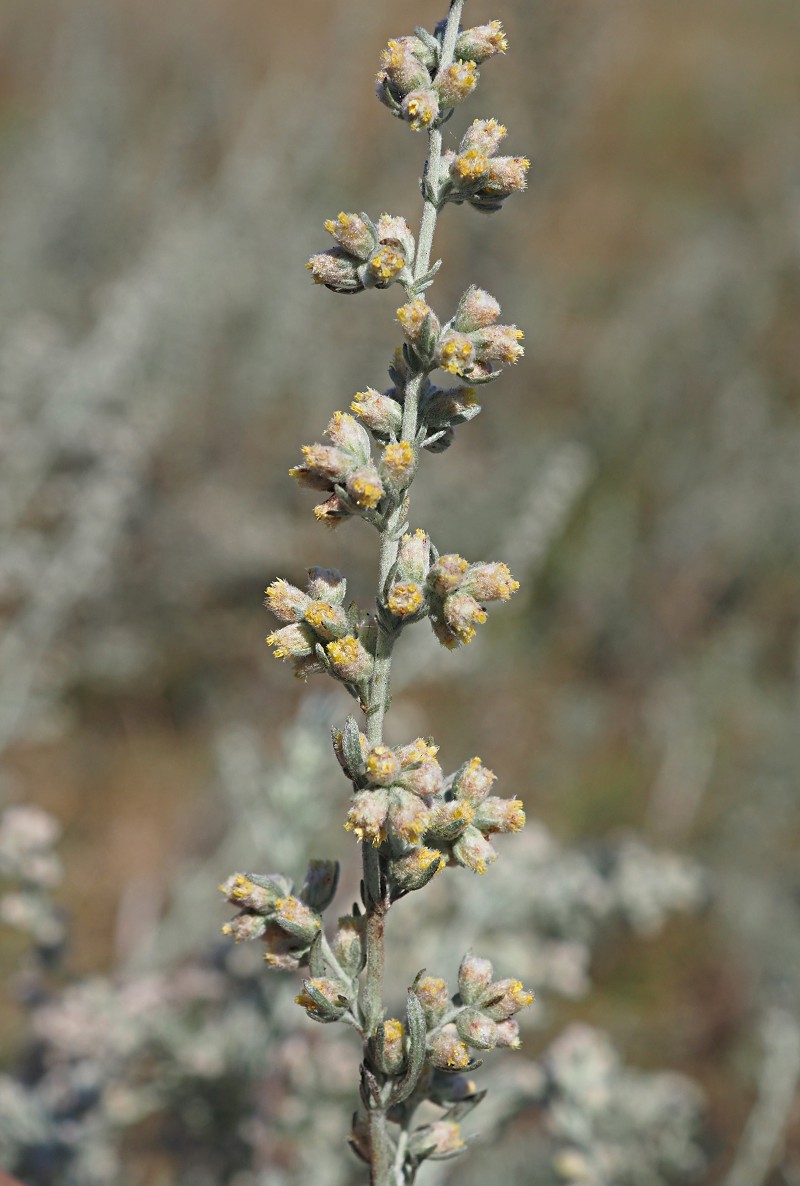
point(377, 905)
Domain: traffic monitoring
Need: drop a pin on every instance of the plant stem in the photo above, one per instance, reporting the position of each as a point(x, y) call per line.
point(377, 906)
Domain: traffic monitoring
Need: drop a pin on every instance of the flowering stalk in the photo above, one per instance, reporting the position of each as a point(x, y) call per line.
point(412, 821)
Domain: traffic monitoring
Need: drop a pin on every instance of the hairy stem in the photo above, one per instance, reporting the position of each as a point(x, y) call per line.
point(382, 1172)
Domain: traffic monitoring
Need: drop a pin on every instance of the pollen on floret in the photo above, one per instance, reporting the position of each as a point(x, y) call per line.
point(471, 165)
point(416, 752)
point(491, 582)
point(386, 263)
point(457, 82)
point(509, 173)
point(412, 316)
point(331, 512)
point(344, 651)
point(290, 642)
point(365, 490)
point(484, 134)
point(285, 601)
point(366, 817)
point(420, 108)
point(397, 461)
point(242, 888)
point(382, 765)
point(322, 616)
point(456, 354)
point(404, 598)
point(409, 816)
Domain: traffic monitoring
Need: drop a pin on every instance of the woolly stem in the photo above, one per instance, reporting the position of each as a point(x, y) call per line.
point(377, 906)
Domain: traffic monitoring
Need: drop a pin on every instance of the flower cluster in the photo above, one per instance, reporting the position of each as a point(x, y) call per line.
point(479, 1016)
point(269, 910)
point(320, 633)
point(418, 87)
point(346, 472)
point(469, 345)
point(475, 174)
point(367, 254)
point(456, 591)
point(419, 819)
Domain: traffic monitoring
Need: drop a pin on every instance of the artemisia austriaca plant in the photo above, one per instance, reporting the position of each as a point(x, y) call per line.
point(412, 820)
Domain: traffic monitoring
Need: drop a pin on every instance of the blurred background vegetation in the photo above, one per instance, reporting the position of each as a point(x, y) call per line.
point(164, 174)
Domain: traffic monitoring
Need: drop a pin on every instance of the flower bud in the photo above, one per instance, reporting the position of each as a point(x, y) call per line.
point(420, 109)
point(473, 851)
point(285, 601)
point(348, 944)
point(283, 952)
point(447, 1090)
point(500, 815)
point(504, 998)
point(447, 573)
point(404, 599)
point(424, 780)
point(500, 343)
point(449, 820)
point(416, 868)
point(408, 816)
point(416, 752)
point(484, 135)
point(456, 405)
point(322, 467)
point(349, 659)
point(352, 234)
point(296, 918)
point(336, 270)
point(382, 765)
point(508, 1033)
point(474, 977)
point(366, 817)
point(394, 231)
point(473, 781)
point(455, 353)
point(460, 612)
point(401, 68)
point(388, 1049)
point(245, 926)
point(490, 582)
point(347, 434)
point(434, 997)
point(332, 512)
point(469, 167)
point(323, 999)
point(456, 83)
point(319, 884)
point(355, 766)
point(326, 620)
point(448, 1051)
point(476, 1030)
point(252, 892)
point(292, 642)
point(414, 556)
point(305, 666)
point(481, 42)
point(386, 265)
point(326, 584)
point(380, 413)
point(365, 487)
point(440, 1139)
point(418, 320)
point(476, 310)
point(398, 463)
point(507, 175)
